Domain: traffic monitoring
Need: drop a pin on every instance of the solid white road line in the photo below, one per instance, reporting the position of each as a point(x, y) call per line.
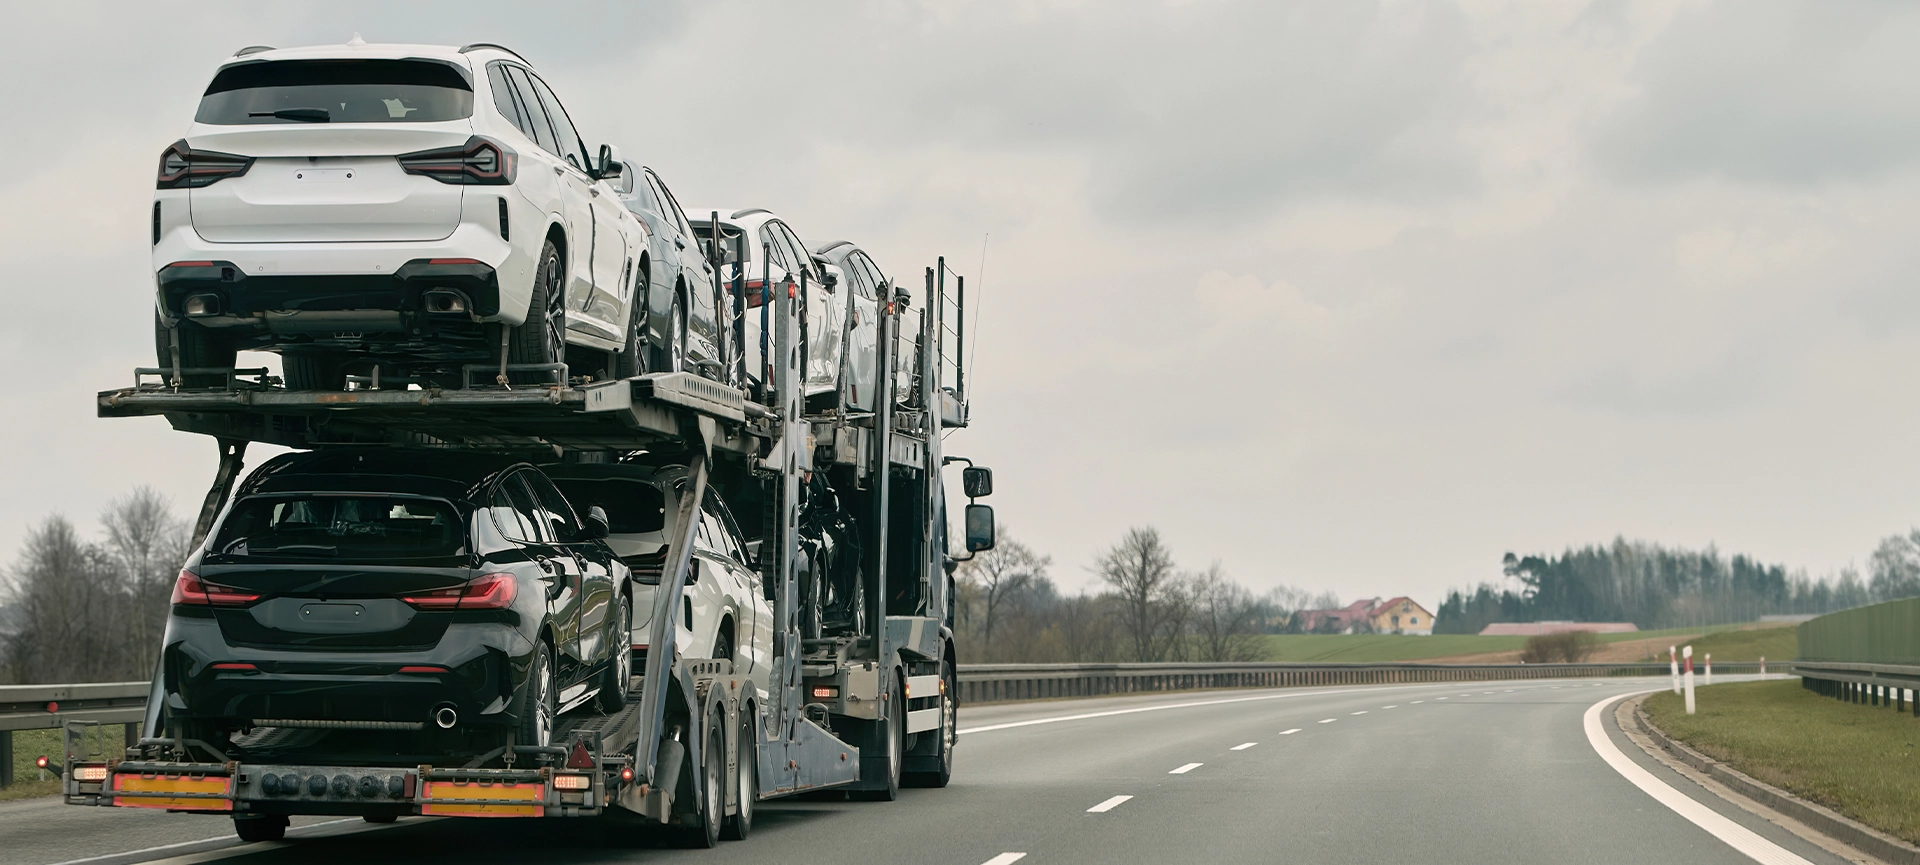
point(1108, 805)
point(1328, 720)
point(1243, 747)
point(1005, 859)
point(1085, 715)
point(1289, 732)
point(1735, 835)
point(1187, 768)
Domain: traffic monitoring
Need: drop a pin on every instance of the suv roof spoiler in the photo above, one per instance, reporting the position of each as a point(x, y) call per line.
point(252, 49)
point(495, 46)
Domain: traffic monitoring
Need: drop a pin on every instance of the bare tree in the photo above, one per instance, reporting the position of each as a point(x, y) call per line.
point(1895, 567)
point(148, 543)
point(69, 606)
point(1152, 600)
point(1224, 615)
point(1001, 574)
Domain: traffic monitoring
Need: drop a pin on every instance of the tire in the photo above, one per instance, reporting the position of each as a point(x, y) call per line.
point(812, 608)
point(891, 736)
point(537, 697)
point(613, 682)
point(949, 732)
point(542, 338)
point(309, 371)
point(199, 346)
point(632, 359)
point(705, 833)
point(722, 647)
point(253, 828)
point(671, 354)
point(747, 791)
point(380, 818)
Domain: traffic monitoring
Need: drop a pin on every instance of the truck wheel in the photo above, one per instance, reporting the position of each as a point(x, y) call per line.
point(259, 827)
point(542, 338)
point(199, 346)
point(613, 684)
point(891, 734)
point(748, 788)
point(949, 732)
point(304, 371)
point(713, 793)
point(536, 701)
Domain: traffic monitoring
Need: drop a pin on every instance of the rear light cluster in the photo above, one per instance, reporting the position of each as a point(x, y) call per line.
point(758, 294)
point(90, 772)
point(481, 161)
point(182, 167)
point(572, 782)
point(189, 589)
point(486, 592)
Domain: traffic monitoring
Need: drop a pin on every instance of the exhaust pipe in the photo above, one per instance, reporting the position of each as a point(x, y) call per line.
point(444, 301)
point(445, 717)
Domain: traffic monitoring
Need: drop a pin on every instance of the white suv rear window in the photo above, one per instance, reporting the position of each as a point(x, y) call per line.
point(336, 91)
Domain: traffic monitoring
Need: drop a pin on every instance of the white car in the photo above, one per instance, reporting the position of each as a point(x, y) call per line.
point(775, 257)
point(725, 612)
point(415, 206)
point(864, 286)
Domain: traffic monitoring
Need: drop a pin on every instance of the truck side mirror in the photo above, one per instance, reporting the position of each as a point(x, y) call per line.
point(977, 481)
point(597, 525)
point(979, 528)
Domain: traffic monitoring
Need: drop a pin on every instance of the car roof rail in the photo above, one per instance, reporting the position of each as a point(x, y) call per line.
point(749, 211)
point(474, 46)
point(826, 248)
point(252, 49)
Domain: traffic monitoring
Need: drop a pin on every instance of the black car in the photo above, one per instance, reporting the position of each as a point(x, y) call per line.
point(436, 596)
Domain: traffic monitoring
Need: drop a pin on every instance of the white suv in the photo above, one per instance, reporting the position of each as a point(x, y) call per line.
point(415, 206)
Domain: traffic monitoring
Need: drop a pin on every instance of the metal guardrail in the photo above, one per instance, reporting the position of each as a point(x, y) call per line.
point(41, 707)
point(990, 683)
point(1892, 685)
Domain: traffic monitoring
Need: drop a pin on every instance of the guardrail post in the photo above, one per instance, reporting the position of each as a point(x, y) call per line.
point(6, 758)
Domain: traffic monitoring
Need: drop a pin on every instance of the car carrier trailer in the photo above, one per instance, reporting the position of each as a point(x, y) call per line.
point(860, 711)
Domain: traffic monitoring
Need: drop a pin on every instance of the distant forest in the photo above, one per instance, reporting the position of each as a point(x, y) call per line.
point(1659, 587)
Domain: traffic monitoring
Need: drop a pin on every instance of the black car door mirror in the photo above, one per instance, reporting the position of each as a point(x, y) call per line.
point(979, 528)
point(977, 480)
point(597, 525)
point(608, 166)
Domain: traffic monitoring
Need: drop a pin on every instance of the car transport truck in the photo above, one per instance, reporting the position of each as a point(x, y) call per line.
point(845, 497)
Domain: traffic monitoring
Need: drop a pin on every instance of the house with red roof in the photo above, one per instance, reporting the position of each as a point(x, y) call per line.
point(1400, 615)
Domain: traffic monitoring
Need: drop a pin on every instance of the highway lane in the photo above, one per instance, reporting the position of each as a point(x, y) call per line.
point(1452, 773)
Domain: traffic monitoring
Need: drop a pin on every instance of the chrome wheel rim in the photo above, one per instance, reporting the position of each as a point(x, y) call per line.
point(749, 769)
point(543, 706)
point(556, 318)
point(623, 649)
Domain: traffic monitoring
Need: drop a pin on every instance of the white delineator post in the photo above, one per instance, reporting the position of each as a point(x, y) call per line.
point(1673, 663)
point(1709, 680)
point(1687, 655)
point(1763, 665)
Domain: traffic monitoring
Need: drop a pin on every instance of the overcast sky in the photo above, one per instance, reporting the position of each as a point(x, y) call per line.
point(1352, 297)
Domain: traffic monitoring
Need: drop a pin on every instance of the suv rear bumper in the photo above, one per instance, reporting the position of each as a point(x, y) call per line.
point(235, 292)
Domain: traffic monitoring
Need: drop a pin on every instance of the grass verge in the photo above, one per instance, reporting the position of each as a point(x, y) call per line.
point(1779, 644)
point(30, 744)
point(1858, 760)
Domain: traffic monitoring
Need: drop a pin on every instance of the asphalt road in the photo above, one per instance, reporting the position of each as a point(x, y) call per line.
point(1491, 773)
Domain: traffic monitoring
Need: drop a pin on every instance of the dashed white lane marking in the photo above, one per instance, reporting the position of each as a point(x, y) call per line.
point(1187, 768)
point(1328, 720)
point(1111, 712)
point(1735, 835)
point(1389, 707)
point(1289, 732)
point(1361, 712)
point(1108, 805)
point(1243, 747)
point(1418, 702)
point(1005, 859)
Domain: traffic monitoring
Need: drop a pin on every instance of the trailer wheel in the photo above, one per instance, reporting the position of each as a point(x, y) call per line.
point(613, 685)
point(748, 772)
point(259, 827)
point(713, 789)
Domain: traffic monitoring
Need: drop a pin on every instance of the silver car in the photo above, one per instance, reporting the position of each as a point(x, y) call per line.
point(684, 317)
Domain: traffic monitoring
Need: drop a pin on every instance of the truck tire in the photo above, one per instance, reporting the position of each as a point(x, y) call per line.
point(949, 732)
point(259, 827)
point(748, 775)
point(313, 371)
point(537, 701)
point(613, 683)
point(712, 810)
point(199, 346)
point(889, 736)
point(542, 338)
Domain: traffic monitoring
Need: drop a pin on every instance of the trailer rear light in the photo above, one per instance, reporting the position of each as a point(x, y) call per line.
point(572, 782)
point(481, 161)
point(236, 666)
point(626, 773)
point(485, 592)
point(422, 668)
point(189, 589)
point(826, 692)
point(182, 167)
point(93, 772)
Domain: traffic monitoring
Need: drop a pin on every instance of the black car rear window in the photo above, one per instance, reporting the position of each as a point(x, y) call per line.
point(633, 507)
point(334, 527)
point(336, 91)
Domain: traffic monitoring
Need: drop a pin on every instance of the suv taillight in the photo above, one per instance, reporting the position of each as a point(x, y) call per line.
point(188, 589)
point(482, 161)
point(485, 592)
point(182, 167)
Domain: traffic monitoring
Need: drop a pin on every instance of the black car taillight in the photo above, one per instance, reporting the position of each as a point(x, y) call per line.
point(481, 161)
point(182, 167)
point(189, 589)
